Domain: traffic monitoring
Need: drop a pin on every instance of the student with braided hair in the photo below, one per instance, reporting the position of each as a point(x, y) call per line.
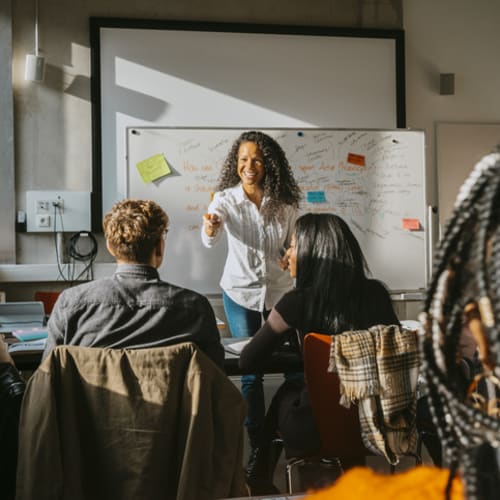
point(463, 300)
point(464, 296)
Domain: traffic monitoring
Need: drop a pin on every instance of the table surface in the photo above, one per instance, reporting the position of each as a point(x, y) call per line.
point(281, 361)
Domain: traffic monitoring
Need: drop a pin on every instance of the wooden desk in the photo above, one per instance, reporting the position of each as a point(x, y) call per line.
point(281, 361)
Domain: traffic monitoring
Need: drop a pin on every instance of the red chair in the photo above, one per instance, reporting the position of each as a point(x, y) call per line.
point(339, 429)
point(48, 299)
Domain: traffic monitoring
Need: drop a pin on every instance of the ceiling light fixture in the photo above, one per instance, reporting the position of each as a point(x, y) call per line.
point(34, 68)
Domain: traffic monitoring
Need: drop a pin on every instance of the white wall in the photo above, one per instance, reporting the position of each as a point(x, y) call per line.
point(451, 36)
point(52, 118)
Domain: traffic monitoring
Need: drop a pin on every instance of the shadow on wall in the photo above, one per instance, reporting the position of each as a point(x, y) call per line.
point(137, 104)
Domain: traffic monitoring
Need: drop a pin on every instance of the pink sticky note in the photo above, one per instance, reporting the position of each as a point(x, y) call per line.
point(411, 224)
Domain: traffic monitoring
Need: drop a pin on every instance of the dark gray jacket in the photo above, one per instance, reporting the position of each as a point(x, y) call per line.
point(133, 309)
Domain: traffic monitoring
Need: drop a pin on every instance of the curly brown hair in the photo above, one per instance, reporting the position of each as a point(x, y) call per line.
point(133, 228)
point(279, 184)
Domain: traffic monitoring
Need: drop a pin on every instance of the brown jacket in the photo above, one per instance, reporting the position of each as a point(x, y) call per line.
point(120, 424)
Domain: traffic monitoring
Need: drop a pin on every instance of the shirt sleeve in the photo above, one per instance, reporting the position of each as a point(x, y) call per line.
point(208, 338)
point(292, 219)
point(56, 327)
point(216, 207)
point(268, 338)
point(290, 307)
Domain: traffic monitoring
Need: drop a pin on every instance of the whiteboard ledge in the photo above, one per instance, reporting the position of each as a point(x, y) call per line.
point(25, 273)
point(417, 295)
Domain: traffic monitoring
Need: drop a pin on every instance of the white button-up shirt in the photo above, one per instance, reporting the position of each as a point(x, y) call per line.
point(252, 276)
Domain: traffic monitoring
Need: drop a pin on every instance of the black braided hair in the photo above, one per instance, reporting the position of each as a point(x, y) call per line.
point(279, 184)
point(466, 271)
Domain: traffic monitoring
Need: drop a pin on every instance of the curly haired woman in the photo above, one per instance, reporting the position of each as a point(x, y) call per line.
point(256, 206)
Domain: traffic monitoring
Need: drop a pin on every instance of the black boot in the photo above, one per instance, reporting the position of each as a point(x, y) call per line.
point(258, 472)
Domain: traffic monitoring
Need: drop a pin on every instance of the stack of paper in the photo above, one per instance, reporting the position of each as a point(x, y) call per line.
point(27, 347)
point(27, 334)
point(236, 347)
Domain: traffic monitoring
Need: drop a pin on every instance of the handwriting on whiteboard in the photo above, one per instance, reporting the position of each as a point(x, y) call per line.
point(375, 180)
point(364, 178)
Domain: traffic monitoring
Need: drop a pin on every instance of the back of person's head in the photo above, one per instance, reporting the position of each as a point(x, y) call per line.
point(133, 229)
point(331, 265)
point(465, 291)
point(325, 243)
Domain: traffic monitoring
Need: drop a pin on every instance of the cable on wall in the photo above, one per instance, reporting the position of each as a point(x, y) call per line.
point(82, 247)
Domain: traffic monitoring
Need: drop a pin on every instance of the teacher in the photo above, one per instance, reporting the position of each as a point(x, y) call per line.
point(255, 204)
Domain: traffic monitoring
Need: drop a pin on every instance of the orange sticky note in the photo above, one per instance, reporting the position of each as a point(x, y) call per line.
point(356, 159)
point(411, 224)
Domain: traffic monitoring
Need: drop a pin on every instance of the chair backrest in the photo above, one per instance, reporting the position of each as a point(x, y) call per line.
point(146, 423)
point(48, 299)
point(338, 426)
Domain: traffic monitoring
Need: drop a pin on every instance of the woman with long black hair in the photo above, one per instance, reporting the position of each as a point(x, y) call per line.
point(332, 294)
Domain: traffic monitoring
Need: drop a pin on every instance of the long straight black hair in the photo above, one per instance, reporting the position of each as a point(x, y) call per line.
point(331, 266)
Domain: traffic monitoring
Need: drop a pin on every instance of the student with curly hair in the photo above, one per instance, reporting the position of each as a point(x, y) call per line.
point(255, 204)
point(134, 308)
point(464, 297)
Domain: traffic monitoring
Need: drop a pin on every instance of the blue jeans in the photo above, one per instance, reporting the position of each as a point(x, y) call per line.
point(245, 323)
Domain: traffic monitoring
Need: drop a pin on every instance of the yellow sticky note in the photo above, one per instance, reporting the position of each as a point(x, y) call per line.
point(153, 168)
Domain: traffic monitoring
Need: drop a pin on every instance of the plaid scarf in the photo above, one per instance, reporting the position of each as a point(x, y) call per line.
point(378, 369)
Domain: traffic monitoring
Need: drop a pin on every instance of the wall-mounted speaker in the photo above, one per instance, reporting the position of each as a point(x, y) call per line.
point(34, 67)
point(447, 83)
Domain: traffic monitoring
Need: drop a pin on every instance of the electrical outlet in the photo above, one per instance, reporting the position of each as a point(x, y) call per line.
point(57, 204)
point(49, 206)
point(68, 211)
point(42, 206)
point(43, 220)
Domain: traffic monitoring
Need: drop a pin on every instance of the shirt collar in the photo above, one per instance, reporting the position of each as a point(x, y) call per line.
point(241, 197)
point(139, 270)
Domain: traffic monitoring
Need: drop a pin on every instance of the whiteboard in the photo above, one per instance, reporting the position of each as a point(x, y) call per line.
point(374, 179)
point(186, 74)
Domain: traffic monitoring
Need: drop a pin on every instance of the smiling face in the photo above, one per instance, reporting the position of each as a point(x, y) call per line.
point(250, 165)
